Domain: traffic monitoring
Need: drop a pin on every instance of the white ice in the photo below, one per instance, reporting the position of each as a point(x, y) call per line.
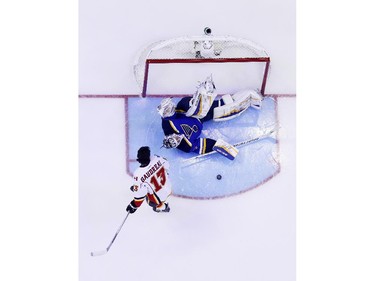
point(240, 237)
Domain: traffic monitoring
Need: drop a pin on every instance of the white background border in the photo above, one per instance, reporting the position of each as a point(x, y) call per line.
point(335, 153)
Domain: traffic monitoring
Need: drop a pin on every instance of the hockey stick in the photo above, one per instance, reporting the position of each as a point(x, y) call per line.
point(102, 252)
point(242, 143)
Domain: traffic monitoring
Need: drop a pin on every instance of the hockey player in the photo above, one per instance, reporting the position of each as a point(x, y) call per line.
point(151, 182)
point(182, 123)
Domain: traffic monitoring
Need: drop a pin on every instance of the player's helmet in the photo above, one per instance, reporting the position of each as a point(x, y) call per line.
point(143, 155)
point(167, 107)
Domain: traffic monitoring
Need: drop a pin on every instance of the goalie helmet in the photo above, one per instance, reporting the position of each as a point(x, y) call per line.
point(172, 141)
point(166, 108)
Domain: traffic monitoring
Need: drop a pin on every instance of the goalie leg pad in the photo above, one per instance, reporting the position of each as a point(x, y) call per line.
point(227, 99)
point(233, 106)
point(255, 99)
point(225, 149)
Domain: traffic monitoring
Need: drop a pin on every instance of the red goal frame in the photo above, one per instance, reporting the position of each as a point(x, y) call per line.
point(265, 60)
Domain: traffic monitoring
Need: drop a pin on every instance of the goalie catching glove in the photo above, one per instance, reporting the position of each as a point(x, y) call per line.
point(234, 105)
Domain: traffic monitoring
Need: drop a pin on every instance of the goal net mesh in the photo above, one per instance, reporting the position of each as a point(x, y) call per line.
point(205, 49)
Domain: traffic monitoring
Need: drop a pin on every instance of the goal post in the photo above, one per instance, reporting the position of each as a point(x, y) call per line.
point(242, 62)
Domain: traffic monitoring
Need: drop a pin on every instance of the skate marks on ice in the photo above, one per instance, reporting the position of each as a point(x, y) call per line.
point(215, 176)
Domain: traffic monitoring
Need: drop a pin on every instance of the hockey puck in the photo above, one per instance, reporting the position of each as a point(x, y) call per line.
point(218, 177)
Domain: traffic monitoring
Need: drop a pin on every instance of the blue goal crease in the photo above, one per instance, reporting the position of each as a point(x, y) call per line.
point(216, 176)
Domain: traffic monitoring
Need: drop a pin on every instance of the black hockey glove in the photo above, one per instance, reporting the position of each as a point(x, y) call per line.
point(131, 209)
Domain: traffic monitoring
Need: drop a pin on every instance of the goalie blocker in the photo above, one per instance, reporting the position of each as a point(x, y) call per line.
point(225, 149)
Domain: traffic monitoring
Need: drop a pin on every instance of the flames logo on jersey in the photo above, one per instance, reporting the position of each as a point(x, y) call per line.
point(189, 130)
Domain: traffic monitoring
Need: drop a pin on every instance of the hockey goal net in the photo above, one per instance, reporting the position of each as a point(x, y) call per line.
point(164, 66)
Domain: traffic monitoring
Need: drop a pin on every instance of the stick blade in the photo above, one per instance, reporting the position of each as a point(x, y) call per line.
point(98, 253)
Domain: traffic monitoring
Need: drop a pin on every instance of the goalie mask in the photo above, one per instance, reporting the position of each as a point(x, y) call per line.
point(172, 141)
point(166, 108)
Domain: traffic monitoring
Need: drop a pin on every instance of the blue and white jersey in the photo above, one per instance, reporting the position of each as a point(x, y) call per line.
point(189, 127)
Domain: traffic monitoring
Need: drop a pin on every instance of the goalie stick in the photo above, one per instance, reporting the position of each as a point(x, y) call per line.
point(102, 252)
point(266, 134)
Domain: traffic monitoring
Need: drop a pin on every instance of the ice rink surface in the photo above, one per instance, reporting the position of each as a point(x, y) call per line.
point(249, 236)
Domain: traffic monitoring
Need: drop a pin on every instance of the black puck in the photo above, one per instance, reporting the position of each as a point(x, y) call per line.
point(218, 177)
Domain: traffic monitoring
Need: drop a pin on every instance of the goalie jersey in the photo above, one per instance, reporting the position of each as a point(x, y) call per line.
point(189, 127)
point(152, 182)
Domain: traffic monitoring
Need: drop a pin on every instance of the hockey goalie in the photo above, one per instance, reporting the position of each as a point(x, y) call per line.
point(182, 123)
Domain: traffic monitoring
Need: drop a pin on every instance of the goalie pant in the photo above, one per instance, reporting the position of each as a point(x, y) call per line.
point(191, 128)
